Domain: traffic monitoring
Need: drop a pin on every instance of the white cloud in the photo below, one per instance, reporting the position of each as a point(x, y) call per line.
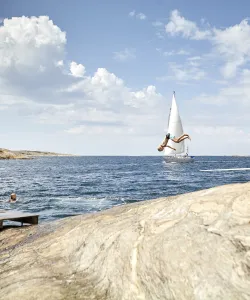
point(221, 82)
point(160, 35)
point(229, 131)
point(59, 63)
point(29, 43)
point(125, 55)
point(194, 61)
point(194, 58)
point(132, 13)
point(148, 96)
point(232, 134)
point(108, 92)
point(160, 30)
point(178, 25)
point(37, 82)
point(157, 24)
point(231, 44)
point(220, 140)
point(77, 70)
point(139, 16)
point(39, 85)
point(182, 73)
point(236, 94)
point(99, 130)
point(76, 130)
point(29, 54)
point(180, 52)
point(183, 52)
point(87, 130)
point(41, 68)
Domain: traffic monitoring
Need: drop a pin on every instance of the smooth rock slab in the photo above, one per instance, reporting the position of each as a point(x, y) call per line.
point(191, 246)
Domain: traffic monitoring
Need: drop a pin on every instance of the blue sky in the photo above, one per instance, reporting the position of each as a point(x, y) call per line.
point(96, 77)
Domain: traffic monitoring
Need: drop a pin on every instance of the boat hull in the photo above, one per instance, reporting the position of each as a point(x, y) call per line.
point(178, 159)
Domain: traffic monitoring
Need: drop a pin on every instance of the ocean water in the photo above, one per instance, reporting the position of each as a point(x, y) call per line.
point(57, 187)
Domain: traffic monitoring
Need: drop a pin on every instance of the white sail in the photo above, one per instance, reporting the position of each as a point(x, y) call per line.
point(175, 128)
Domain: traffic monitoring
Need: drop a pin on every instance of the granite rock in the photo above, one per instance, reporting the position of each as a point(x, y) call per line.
point(190, 246)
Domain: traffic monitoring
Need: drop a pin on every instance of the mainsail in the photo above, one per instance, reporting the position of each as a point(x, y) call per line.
point(175, 128)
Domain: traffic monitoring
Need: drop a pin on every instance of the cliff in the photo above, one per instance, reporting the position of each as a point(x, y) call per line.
point(191, 246)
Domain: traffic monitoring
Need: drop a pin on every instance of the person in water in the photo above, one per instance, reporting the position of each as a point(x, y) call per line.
point(174, 139)
point(12, 198)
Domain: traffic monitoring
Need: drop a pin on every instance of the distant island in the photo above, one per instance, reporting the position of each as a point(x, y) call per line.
point(26, 154)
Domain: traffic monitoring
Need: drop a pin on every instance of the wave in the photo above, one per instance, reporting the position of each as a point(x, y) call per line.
point(222, 170)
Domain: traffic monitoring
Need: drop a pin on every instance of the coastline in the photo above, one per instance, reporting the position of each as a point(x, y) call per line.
point(27, 154)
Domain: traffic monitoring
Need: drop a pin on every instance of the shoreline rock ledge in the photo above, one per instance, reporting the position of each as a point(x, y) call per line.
point(26, 154)
point(190, 246)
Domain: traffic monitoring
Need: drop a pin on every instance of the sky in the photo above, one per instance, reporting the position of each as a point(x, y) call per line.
point(96, 77)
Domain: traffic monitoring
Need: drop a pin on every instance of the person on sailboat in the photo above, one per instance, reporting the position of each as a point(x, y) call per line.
point(174, 139)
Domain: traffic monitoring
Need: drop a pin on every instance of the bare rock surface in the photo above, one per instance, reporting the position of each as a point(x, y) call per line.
point(191, 246)
point(26, 154)
point(8, 154)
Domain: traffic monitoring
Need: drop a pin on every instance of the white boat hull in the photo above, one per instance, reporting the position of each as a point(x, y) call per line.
point(178, 159)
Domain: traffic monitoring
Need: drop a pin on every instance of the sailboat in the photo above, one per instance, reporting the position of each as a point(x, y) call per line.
point(175, 128)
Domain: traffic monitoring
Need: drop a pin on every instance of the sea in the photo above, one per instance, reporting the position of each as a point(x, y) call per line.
point(58, 187)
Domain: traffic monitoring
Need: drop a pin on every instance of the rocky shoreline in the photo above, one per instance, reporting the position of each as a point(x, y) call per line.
point(191, 246)
point(26, 154)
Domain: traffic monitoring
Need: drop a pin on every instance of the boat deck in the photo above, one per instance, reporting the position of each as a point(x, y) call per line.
point(17, 216)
